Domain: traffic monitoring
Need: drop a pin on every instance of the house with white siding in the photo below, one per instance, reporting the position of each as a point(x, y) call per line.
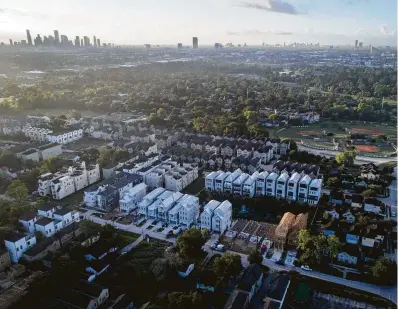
point(17, 244)
point(222, 217)
point(228, 182)
point(261, 183)
point(207, 215)
point(265, 154)
point(188, 214)
point(129, 202)
point(292, 186)
point(314, 191)
point(303, 188)
point(152, 210)
point(271, 184)
point(210, 180)
point(249, 187)
point(219, 182)
point(148, 199)
point(166, 205)
point(237, 184)
point(281, 185)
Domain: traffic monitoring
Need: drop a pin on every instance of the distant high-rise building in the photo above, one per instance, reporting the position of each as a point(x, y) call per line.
point(77, 41)
point(147, 46)
point(86, 41)
point(51, 40)
point(95, 41)
point(179, 45)
point(98, 43)
point(23, 42)
point(38, 40)
point(195, 42)
point(81, 42)
point(64, 39)
point(360, 44)
point(45, 41)
point(356, 44)
point(11, 42)
point(56, 36)
point(29, 37)
point(217, 45)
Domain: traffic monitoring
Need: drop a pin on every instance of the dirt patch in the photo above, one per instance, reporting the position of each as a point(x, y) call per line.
point(367, 148)
point(366, 131)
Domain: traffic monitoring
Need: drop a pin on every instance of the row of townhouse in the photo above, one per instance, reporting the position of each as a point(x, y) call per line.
point(297, 187)
point(106, 195)
point(140, 148)
point(41, 153)
point(64, 136)
point(216, 216)
point(163, 172)
point(66, 182)
point(48, 221)
point(265, 150)
point(170, 207)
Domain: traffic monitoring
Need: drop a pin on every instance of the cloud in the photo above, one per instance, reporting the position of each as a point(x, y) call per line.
point(233, 33)
point(14, 12)
point(284, 33)
point(277, 6)
point(385, 31)
point(257, 32)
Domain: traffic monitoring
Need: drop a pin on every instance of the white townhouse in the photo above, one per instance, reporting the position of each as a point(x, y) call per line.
point(271, 184)
point(18, 244)
point(154, 179)
point(261, 183)
point(265, 154)
point(219, 183)
point(130, 200)
point(210, 180)
point(292, 186)
point(222, 217)
point(249, 187)
point(188, 214)
point(174, 214)
point(230, 179)
point(64, 136)
point(148, 200)
point(152, 209)
point(64, 183)
point(167, 204)
point(66, 216)
point(237, 185)
point(303, 189)
point(173, 182)
point(281, 185)
point(207, 215)
point(28, 221)
point(47, 227)
point(314, 191)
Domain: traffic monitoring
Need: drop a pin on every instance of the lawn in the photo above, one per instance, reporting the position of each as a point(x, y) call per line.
point(127, 237)
point(145, 253)
point(195, 187)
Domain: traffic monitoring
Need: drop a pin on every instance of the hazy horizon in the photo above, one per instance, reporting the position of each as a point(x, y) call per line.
point(136, 22)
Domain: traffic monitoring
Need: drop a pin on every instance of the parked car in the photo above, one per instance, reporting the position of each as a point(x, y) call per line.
point(170, 234)
point(220, 248)
point(306, 267)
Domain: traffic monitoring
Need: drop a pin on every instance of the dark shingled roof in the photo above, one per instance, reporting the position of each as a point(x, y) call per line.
point(45, 207)
point(44, 221)
point(252, 274)
point(62, 211)
point(28, 216)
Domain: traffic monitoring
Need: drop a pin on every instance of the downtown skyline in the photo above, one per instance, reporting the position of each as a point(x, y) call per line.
point(338, 22)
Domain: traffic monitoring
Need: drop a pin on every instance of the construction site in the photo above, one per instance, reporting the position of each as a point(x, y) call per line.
point(246, 235)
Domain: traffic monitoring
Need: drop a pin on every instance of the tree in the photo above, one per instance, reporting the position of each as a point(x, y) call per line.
point(255, 257)
point(190, 243)
point(228, 265)
point(273, 116)
point(333, 245)
point(369, 193)
point(304, 238)
point(181, 300)
point(18, 191)
point(333, 182)
point(346, 157)
point(90, 229)
point(384, 270)
point(74, 114)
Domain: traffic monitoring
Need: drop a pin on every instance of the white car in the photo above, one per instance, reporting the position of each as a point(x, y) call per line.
point(305, 267)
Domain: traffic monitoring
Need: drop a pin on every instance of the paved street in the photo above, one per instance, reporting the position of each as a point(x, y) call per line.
point(387, 292)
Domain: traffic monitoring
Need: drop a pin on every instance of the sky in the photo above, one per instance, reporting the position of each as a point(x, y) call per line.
point(167, 22)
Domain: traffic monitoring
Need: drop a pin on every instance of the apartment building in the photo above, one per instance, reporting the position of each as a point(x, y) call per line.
point(188, 214)
point(281, 185)
point(222, 217)
point(265, 154)
point(219, 182)
point(303, 188)
point(166, 205)
point(314, 191)
point(62, 136)
point(41, 153)
point(207, 215)
point(210, 180)
point(152, 209)
point(68, 181)
point(129, 202)
point(17, 244)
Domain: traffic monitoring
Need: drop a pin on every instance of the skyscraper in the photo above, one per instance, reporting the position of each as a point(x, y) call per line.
point(95, 41)
point(356, 44)
point(64, 39)
point(81, 42)
point(98, 43)
point(86, 41)
point(11, 42)
point(179, 45)
point(56, 36)
point(360, 45)
point(195, 43)
point(77, 41)
point(38, 40)
point(29, 37)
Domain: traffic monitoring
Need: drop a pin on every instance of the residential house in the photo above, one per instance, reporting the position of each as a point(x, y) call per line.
point(188, 214)
point(219, 181)
point(281, 185)
point(251, 281)
point(152, 210)
point(28, 221)
point(129, 202)
point(314, 191)
point(17, 244)
point(265, 154)
point(271, 184)
point(148, 199)
point(303, 189)
point(207, 215)
point(222, 217)
point(349, 217)
point(292, 186)
point(230, 179)
point(261, 183)
point(238, 183)
point(350, 256)
point(249, 187)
